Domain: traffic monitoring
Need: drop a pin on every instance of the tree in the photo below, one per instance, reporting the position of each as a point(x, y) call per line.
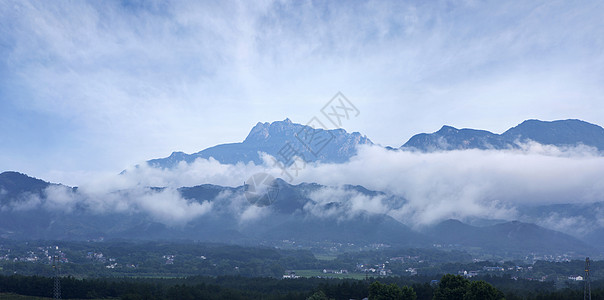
point(408, 293)
point(451, 287)
point(380, 291)
point(481, 290)
point(318, 296)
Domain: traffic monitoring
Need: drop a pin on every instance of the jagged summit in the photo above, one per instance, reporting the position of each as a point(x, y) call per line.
point(317, 144)
point(447, 128)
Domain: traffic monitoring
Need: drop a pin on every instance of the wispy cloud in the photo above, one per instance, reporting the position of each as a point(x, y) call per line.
point(114, 83)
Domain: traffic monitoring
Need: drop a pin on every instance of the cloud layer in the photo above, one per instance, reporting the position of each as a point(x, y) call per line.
point(471, 183)
point(419, 189)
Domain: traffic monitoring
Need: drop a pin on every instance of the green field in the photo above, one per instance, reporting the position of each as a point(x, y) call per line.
point(315, 273)
point(325, 257)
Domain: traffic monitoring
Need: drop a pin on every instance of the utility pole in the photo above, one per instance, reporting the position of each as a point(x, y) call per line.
point(587, 287)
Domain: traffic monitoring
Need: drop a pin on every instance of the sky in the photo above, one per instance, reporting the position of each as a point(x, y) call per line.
point(89, 87)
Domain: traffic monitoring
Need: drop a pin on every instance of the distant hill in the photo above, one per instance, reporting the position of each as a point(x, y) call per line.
point(287, 218)
point(558, 133)
point(332, 146)
point(512, 237)
point(14, 184)
point(18, 187)
point(290, 217)
point(450, 138)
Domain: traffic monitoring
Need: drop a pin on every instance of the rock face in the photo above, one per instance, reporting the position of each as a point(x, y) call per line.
point(558, 133)
point(279, 139)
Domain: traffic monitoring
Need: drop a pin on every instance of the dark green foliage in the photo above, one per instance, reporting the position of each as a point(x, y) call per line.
point(237, 287)
point(480, 290)
point(451, 287)
point(408, 293)
point(320, 295)
point(380, 291)
point(456, 287)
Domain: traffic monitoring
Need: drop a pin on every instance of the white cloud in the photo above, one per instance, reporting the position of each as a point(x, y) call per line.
point(437, 186)
point(469, 183)
point(60, 198)
point(23, 203)
point(573, 225)
point(462, 184)
point(344, 203)
point(253, 213)
point(124, 82)
point(169, 207)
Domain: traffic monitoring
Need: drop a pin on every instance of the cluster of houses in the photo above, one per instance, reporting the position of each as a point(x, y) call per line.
point(575, 278)
point(169, 259)
point(328, 271)
point(379, 269)
point(99, 257)
point(41, 255)
point(411, 271)
point(290, 275)
point(470, 274)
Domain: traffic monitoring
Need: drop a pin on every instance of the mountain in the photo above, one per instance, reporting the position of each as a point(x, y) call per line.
point(279, 139)
point(14, 184)
point(508, 237)
point(450, 138)
point(31, 208)
point(283, 139)
point(558, 133)
point(292, 216)
point(307, 212)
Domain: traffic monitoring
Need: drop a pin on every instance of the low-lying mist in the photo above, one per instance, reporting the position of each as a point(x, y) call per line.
point(461, 184)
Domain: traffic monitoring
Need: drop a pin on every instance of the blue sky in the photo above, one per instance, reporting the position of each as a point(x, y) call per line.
point(89, 87)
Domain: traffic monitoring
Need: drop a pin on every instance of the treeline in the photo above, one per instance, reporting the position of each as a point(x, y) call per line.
point(237, 287)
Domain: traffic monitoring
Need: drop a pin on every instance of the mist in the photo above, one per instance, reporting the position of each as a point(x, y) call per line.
point(431, 187)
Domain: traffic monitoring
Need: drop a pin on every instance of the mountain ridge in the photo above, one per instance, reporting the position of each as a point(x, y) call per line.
point(560, 133)
point(291, 217)
point(276, 138)
point(524, 236)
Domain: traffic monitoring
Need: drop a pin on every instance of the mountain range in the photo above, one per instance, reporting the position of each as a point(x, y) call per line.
point(560, 133)
point(31, 208)
point(291, 217)
point(339, 146)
